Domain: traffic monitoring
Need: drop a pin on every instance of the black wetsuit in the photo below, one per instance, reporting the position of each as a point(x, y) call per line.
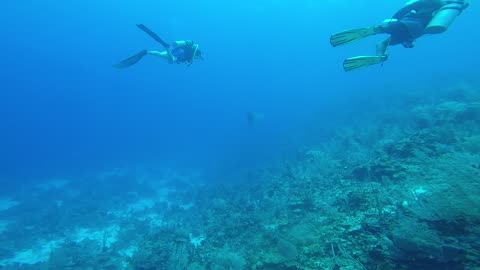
point(411, 22)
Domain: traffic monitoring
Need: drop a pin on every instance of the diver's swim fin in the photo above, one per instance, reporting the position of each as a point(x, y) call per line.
point(362, 61)
point(350, 36)
point(154, 36)
point(131, 60)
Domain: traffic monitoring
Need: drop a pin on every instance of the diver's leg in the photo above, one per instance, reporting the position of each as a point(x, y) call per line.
point(398, 31)
point(382, 46)
point(131, 60)
point(154, 36)
point(163, 54)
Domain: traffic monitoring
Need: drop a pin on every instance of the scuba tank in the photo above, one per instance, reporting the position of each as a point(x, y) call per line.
point(445, 16)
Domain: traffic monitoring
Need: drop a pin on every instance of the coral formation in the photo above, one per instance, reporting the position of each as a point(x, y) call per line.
point(394, 191)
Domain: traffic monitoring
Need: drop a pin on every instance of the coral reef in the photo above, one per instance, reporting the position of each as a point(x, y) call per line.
point(394, 191)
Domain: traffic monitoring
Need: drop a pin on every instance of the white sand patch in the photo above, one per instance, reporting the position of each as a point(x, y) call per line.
point(128, 252)
point(106, 236)
point(186, 206)
point(39, 254)
point(196, 241)
point(42, 250)
point(7, 203)
point(141, 205)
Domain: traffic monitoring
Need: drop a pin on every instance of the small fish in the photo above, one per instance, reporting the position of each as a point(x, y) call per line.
point(253, 117)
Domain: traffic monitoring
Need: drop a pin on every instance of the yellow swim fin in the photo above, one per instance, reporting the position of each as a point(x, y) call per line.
point(350, 36)
point(362, 61)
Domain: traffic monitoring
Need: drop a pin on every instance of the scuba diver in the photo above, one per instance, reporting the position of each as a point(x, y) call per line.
point(183, 51)
point(417, 18)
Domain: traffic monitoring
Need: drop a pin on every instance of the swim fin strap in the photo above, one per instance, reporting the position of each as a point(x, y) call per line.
point(350, 36)
point(362, 61)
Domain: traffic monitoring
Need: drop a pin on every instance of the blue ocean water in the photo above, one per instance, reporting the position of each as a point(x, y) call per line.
point(66, 113)
point(64, 105)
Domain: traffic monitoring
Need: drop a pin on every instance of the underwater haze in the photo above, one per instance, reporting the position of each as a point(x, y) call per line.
point(265, 155)
point(65, 108)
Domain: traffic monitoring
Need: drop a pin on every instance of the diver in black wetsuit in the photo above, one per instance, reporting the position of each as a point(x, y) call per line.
point(417, 18)
point(408, 24)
